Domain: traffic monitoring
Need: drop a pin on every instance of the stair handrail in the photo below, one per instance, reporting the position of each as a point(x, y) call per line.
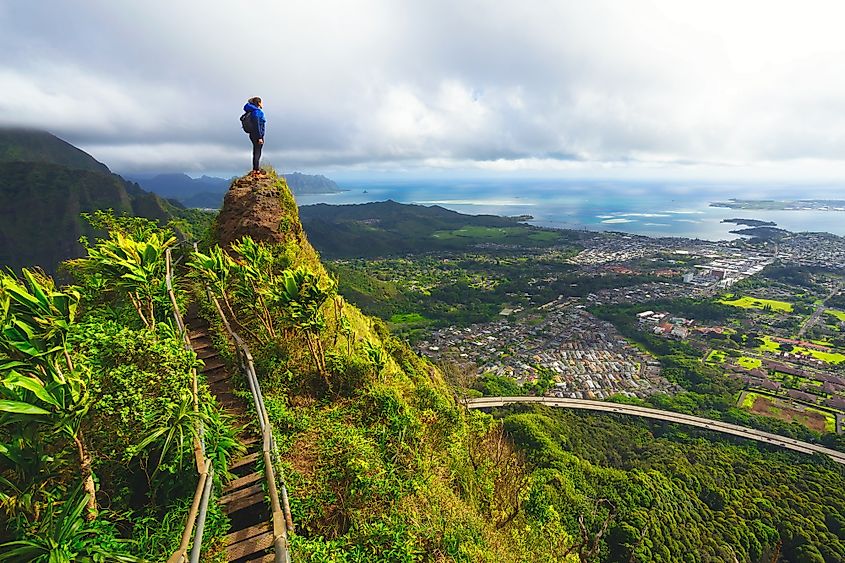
point(282, 521)
point(199, 504)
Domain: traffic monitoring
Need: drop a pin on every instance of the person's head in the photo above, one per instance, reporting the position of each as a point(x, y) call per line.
point(256, 101)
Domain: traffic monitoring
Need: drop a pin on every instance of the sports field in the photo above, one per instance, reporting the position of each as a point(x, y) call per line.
point(758, 303)
point(749, 363)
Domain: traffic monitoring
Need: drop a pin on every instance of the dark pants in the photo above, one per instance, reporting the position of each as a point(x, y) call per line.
point(256, 152)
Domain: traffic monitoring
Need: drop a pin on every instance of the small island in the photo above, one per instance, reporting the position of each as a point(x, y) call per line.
point(750, 222)
point(767, 233)
point(311, 184)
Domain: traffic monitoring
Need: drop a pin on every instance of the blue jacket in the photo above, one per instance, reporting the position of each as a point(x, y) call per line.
point(257, 117)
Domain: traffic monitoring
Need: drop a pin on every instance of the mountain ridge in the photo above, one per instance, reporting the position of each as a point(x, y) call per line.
point(45, 184)
point(35, 146)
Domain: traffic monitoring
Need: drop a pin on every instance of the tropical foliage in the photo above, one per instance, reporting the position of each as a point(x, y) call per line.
point(110, 337)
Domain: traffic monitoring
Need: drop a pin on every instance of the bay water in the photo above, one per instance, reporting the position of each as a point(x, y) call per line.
point(647, 208)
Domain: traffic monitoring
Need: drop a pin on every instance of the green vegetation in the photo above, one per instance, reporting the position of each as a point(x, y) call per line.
point(96, 407)
point(709, 392)
point(748, 399)
point(503, 234)
point(393, 229)
point(757, 303)
point(48, 185)
point(408, 318)
point(464, 288)
point(380, 461)
point(715, 356)
point(769, 345)
point(705, 500)
point(40, 147)
point(768, 405)
point(829, 357)
point(839, 315)
point(749, 363)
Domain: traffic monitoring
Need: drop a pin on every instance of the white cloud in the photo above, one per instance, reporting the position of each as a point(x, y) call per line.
point(721, 89)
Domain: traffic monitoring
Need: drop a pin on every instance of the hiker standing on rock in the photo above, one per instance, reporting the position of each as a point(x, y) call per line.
point(253, 123)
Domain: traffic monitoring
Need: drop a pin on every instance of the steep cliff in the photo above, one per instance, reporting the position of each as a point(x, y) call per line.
point(262, 208)
point(381, 462)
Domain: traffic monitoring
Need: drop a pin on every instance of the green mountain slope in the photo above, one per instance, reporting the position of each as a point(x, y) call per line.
point(390, 228)
point(40, 206)
point(374, 447)
point(45, 183)
point(26, 145)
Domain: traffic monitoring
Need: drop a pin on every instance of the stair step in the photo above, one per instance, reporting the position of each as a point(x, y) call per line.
point(249, 546)
point(206, 354)
point(241, 494)
point(201, 342)
point(250, 440)
point(226, 397)
point(218, 376)
point(269, 558)
point(251, 532)
point(213, 364)
point(247, 459)
point(256, 500)
point(236, 484)
point(197, 333)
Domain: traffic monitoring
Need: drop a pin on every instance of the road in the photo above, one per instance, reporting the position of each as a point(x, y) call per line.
point(813, 319)
point(706, 423)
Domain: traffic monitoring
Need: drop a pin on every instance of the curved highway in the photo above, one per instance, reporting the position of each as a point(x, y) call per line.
point(680, 418)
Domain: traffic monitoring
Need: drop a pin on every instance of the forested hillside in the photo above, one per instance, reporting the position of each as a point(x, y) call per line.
point(670, 493)
point(388, 228)
point(45, 186)
point(380, 461)
point(29, 145)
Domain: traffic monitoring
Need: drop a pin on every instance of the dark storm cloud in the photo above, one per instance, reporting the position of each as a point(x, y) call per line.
point(373, 83)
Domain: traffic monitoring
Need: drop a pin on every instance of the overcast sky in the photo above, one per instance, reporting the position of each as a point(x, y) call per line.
point(734, 89)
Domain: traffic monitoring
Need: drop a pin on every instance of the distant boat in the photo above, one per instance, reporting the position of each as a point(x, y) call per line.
point(365, 191)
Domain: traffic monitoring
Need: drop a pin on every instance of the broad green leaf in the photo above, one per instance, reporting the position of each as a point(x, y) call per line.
point(31, 384)
point(19, 407)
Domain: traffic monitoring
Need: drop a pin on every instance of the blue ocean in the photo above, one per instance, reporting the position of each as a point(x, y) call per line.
point(653, 209)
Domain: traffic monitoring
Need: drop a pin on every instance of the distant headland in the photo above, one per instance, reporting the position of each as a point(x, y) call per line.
point(776, 205)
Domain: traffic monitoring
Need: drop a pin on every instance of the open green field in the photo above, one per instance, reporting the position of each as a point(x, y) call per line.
point(493, 233)
point(757, 303)
point(749, 363)
point(829, 357)
point(840, 315)
point(766, 405)
point(769, 345)
point(748, 399)
point(543, 235)
point(715, 356)
point(408, 318)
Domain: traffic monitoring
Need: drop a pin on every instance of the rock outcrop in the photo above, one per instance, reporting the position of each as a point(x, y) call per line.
point(262, 208)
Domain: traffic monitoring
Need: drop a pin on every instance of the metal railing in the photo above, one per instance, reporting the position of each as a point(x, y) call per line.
point(205, 470)
point(280, 507)
point(282, 521)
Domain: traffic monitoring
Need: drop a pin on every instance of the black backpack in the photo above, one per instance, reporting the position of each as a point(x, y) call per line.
point(248, 123)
